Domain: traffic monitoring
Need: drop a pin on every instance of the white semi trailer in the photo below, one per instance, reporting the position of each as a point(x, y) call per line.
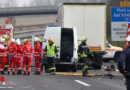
point(89, 19)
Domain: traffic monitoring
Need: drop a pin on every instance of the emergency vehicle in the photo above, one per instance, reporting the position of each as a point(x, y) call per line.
point(8, 30)
point(112, 52)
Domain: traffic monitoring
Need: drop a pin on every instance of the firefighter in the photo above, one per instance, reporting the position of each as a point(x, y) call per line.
point(50, 53)
point(37, 55)
point(3, 55)
point(19, 56)
point(124, 63)
point(27, 57)
point(83, 53)
point(12, 52)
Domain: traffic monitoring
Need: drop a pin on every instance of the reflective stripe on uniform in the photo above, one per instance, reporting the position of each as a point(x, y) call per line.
point(84, 55)
point(29, 69)
point(85, 67)
point(52, 68)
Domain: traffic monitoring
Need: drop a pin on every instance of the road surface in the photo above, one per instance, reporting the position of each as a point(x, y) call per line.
point(64, 82)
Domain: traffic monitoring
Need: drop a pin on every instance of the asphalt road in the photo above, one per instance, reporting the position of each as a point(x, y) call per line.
point(64, 82)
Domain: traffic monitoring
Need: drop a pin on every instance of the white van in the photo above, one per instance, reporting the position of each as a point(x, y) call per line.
point(66, 41)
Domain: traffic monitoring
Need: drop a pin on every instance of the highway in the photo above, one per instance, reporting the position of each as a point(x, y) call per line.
point(64, 82)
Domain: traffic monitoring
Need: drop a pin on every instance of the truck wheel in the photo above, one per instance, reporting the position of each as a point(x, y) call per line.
point(98, 66)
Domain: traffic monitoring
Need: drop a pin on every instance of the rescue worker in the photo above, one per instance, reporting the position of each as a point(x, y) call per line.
point(40, 41)
point(124, 63)
point(19, 56)
point(3, 55)
point(50, 53)
point(27, 57)
point(7, 41)
point(37, 56)
point(12, 52)
point(84, 53)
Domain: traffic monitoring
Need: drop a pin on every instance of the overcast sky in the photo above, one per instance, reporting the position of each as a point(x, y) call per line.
point(26, 3)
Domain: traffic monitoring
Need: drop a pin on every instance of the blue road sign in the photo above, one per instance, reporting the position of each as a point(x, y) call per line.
point(120, 14)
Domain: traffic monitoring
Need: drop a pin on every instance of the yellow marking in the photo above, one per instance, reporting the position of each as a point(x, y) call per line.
point(63, 18)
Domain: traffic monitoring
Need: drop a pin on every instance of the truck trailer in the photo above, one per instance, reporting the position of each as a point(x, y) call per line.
point(89, 19)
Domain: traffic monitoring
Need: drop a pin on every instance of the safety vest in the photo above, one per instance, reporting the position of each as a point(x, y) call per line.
point(84, 55)
point(50, 50)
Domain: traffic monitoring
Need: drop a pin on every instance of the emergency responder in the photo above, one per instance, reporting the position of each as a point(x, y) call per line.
point(12, 52)
point(7, 41)
point(3, 55)
point(19, 56)
point(124, 63)
point(50, 53)
point(37, 56)
point(40, 41)
point(27, 57)
point(84, 53)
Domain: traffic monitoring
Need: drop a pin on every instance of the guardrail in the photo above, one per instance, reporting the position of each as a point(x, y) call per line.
point(29, 34)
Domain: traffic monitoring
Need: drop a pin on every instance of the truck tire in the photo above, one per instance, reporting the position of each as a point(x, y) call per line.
point(98, 60)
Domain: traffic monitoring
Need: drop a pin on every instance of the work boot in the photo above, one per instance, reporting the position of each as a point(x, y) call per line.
point(13, 73)
point(19, 72)
point(8, 73)
point(28, 73)
point(24, 74)
point(54, 73)
point(51, 73)
point(2, 73)
point(85, 73)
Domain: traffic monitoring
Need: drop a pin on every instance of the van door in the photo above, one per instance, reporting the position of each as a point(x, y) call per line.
point(75, 55)
point(55, 33)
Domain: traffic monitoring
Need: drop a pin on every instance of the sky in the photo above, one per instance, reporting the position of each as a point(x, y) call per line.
point(26, 3)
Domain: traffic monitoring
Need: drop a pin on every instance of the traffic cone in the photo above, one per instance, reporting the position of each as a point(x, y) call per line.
point(2, 79)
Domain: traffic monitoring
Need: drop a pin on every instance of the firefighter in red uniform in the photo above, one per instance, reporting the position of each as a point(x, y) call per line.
point(12, 51)
point(27, 57)
point(3, 55)
point(37, 55)
point(19, 56)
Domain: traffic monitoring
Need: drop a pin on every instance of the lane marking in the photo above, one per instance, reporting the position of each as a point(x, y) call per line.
point(85, 84)
point(6, 87)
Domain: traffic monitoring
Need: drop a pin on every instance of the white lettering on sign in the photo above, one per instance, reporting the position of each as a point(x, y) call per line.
point(118, 31)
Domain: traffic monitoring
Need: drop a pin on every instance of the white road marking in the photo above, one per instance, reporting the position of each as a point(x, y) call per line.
point(106, 67)
point(85, 84)
point(6, 87)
